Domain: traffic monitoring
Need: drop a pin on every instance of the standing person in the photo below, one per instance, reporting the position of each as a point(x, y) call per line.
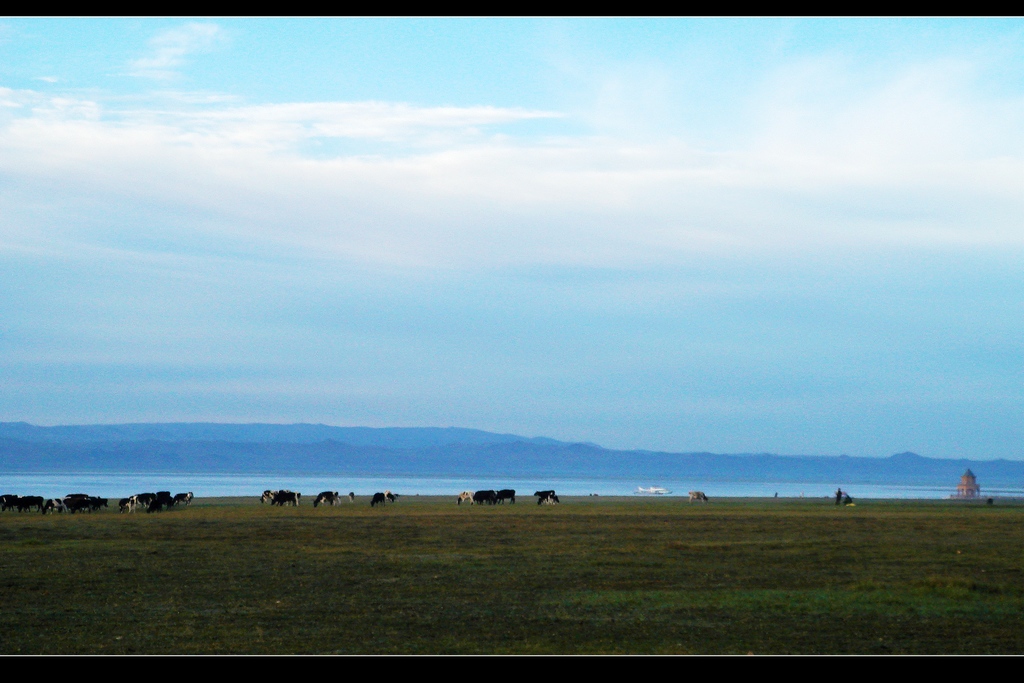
point(839, 496)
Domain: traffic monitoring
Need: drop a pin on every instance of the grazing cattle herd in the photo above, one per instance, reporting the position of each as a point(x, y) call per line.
point(83, 502)
point(161, 500)
point(491, 497)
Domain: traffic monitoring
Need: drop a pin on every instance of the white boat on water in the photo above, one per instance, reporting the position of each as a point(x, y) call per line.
point(651, 491)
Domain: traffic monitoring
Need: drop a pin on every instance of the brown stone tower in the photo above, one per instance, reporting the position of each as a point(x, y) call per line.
point(968, 487)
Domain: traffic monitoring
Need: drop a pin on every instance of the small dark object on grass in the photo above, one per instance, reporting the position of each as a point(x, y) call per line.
point(989, 501)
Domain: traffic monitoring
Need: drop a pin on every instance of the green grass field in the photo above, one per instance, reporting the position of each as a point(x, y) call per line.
point(588, 576)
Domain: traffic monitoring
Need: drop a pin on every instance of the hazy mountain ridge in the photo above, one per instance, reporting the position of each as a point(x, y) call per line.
point(428, 451)
point(392, 437)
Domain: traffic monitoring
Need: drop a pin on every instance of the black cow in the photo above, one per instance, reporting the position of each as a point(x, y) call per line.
point(489, 497)
point(548, 497)
point(378, 498)
point(507, 494)
point(8, 502)
point(26, 503)
point(77, 504)
point(289, 497)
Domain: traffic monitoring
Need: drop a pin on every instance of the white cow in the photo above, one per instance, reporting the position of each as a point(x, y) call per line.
point(465, 495)
point(698, 495)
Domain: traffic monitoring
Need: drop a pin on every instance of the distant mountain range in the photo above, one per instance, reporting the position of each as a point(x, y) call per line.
point(428, 451)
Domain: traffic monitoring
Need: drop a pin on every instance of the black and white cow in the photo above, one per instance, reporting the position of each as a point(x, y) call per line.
point(53, 505)
point(327, 498)
point(465, 495)
point(144, 499)
point(8, 501)
point(185, 498)
point(506, 494)
point(351, 496)
point(489, 497)
point(268, 496)
point(546, 497)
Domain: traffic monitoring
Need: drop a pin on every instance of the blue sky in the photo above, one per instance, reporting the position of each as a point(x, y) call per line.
point(797, 236)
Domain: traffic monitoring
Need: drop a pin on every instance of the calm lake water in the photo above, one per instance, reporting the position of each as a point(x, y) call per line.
point(203, 485)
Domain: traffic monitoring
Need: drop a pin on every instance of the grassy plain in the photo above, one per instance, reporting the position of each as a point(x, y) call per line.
point(591, 575)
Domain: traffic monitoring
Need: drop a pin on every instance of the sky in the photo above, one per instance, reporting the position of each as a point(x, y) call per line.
point(725, 235)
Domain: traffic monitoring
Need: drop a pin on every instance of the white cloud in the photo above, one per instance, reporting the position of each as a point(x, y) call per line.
point(914, 161)
point(281, 125)
point(170, 48)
